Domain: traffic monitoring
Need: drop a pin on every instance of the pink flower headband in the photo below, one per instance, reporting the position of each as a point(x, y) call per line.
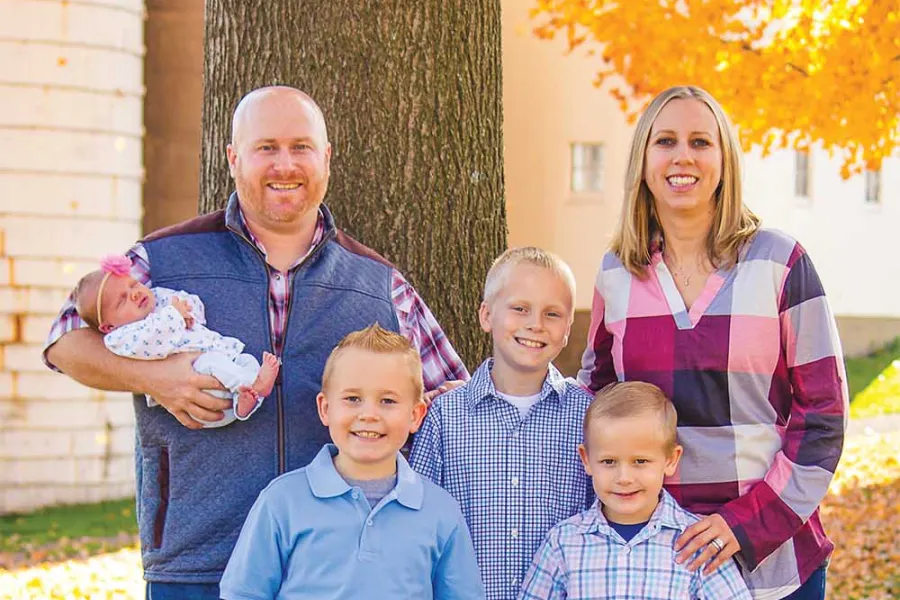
point(113, 264)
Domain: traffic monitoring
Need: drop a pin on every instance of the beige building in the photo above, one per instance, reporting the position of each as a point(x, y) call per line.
point(70, 189)
point(90, 115)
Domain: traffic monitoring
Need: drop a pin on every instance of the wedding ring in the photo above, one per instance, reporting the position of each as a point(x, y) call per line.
point(718, 544)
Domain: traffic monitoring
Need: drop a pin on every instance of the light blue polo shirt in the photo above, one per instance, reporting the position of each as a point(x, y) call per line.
point(310, 535)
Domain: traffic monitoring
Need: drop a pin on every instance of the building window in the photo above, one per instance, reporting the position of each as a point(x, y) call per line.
point(873, 187)
point(801, 173)
point(587, 167)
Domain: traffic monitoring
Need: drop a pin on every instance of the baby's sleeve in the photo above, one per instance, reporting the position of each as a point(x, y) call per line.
point(152, 338)
point(198, 311)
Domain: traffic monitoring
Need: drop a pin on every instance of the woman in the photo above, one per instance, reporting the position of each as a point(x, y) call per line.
point(730, 320)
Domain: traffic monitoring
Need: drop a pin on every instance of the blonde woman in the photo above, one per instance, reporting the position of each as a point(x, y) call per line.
point(731, 321)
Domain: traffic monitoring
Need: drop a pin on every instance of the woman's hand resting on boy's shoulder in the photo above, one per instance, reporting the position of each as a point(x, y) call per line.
point(713, 532)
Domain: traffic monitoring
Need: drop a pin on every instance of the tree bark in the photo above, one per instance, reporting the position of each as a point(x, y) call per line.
point(411, 92)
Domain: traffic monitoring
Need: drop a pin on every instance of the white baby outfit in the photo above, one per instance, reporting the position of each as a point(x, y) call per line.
point(164, 332)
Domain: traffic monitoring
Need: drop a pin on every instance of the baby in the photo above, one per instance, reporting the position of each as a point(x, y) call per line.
point(150, 324)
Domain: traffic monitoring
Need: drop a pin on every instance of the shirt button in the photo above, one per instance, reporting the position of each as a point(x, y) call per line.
point(355, 494)
point(369, 522)
point(515, 433)
point(514, 581)
point(277, 276)
point(514, 532)
point(514, 481)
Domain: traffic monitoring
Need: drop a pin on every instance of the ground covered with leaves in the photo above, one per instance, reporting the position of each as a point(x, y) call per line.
point(861, 515)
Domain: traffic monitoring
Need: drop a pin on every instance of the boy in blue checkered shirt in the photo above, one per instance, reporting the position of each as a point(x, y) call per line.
point(505, 444)
point(623, 547)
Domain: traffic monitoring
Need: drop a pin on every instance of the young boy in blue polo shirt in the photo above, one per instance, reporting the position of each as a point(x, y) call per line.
point(358, 522)
point(505, 444)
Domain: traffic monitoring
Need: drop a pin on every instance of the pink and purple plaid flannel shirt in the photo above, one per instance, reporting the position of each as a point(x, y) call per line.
point(755, 370)
point(440, 362)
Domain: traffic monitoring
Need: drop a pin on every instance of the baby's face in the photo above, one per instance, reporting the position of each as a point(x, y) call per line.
point(124, 301)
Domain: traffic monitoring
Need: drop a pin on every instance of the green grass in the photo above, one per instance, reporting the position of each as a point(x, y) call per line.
point(63, 523)
point(874, 382)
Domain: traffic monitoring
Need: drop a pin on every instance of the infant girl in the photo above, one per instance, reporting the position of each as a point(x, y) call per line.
point(150, 324)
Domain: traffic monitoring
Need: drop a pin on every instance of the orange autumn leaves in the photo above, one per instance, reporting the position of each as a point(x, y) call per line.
point(791, 73)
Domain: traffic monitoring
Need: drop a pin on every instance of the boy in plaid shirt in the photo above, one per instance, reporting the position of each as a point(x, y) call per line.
point(622, 548)
point(505, 444)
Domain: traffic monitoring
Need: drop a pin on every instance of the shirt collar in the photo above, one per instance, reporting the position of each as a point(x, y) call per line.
point(235, 221)
point(481, 385)
point(667, 515)
point(326, 482)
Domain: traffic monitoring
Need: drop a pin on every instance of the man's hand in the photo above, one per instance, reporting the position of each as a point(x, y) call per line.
point(702, 533)
point(184, 309)
point(174, 384)
point(442, 389)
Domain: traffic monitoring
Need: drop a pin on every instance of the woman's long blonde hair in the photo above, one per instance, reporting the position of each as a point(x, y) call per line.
point(733, 223)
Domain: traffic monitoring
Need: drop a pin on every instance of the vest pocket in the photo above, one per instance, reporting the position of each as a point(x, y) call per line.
point(162, 482)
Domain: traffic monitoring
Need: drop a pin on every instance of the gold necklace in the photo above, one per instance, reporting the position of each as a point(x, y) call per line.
point(678, 271)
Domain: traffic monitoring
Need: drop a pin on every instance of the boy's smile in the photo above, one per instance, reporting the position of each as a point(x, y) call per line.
point(370, 407)
point(627, 459)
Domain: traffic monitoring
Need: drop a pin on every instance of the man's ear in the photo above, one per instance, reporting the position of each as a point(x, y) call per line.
point(231, 155)
point(105, 328)
point(328, 159)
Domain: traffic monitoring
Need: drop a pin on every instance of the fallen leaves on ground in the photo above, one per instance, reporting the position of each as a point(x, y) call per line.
point(861, 515)
point(115, 576)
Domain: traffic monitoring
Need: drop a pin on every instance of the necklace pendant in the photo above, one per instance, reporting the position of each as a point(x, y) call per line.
point(687, 281)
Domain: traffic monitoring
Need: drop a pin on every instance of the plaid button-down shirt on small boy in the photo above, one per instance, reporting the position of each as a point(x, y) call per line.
point(584, 558)
point(513, 477)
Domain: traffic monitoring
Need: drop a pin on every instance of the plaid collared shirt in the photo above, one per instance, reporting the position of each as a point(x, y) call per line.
point(513, 477)
point(440, 362)
point(584, 558)
point(755, 370)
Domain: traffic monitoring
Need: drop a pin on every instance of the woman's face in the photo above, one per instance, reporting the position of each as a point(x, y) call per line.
point(683, 164)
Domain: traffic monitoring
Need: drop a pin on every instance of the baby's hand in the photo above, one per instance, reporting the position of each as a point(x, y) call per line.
point(184, 309)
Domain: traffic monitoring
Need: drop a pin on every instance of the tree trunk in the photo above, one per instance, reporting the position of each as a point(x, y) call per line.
point(411, 92)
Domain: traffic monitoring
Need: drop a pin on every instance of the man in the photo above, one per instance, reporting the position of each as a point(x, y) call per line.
point(274, 272)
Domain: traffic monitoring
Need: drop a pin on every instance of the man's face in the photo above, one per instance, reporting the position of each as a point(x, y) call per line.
point(279, 159)
point(370, 406)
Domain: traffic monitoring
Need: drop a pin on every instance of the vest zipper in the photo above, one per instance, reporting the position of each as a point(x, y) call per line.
point(282, 467)
point(279, 399)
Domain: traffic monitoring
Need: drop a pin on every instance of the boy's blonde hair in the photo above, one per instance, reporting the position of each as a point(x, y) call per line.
point(381, 341)
point(85, 298)
point(503, 265)
point(631, 399)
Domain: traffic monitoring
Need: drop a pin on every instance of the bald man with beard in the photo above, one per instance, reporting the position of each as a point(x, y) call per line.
point(275, 272)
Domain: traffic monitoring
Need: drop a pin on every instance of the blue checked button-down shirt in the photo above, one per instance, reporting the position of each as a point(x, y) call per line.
point(513, 477)
point(583, 557)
